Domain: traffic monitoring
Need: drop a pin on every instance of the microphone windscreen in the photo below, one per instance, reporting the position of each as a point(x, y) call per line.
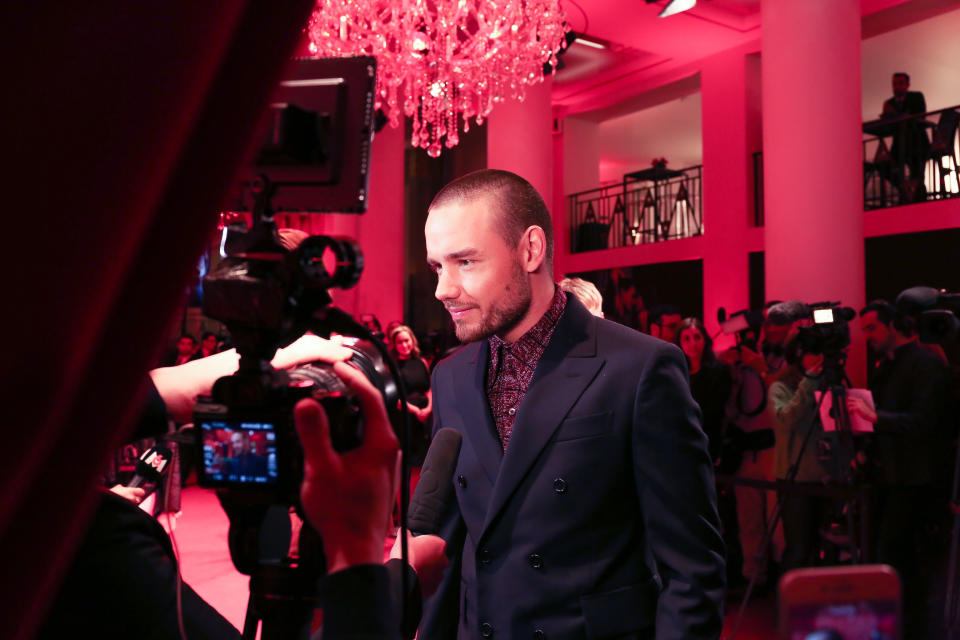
point(153, 463)
point(435, 488)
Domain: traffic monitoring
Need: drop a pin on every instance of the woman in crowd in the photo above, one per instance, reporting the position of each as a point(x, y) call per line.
point(416, 380)
point(710, 380)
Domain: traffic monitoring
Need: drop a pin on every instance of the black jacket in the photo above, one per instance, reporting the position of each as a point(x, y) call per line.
point(912, 393)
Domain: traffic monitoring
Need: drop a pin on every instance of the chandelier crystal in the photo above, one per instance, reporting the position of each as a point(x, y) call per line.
point(438, 60)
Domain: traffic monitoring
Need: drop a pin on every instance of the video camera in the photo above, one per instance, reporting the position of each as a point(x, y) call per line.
point(269, 294)
point(829, 336)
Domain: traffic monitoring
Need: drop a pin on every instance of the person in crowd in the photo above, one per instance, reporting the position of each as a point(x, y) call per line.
point(628, 307)
point(184, 351)
point(665, 322)
point(586, 292)
point(413, 370)
point(372, 323)
point(782, 319)
point(416, 380)
point(793, 405)
point(711, 383)
point(209, 344)
point(910, 142)
point(710, 380)
point(583, 482)
point(128, 558)
point(748, 453)
point(911, 389)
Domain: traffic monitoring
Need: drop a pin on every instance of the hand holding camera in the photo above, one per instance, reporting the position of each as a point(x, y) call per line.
point(348, 496)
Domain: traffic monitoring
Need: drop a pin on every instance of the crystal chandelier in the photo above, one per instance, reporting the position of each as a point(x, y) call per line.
point(443, 59)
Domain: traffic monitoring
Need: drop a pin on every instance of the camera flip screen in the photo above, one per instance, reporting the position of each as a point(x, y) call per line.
point(240, 452)
point(823, 316)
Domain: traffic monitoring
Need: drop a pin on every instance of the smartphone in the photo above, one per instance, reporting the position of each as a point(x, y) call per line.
point(860, 602)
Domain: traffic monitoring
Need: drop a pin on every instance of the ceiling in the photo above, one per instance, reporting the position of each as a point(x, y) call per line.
point(647, 99)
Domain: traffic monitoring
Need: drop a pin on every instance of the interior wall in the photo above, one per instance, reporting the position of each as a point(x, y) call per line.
point(928, 50)
point(670, 130)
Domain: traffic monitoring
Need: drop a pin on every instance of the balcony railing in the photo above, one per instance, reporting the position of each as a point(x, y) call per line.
point(654, 205)
point(905, 160)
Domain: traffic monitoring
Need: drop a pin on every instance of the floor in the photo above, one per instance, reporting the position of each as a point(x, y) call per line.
point(201, 539)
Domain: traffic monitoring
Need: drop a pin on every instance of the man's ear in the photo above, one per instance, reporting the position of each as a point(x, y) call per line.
point(533, 247)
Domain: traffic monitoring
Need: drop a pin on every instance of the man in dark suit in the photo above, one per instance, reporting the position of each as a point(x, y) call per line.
point(910, 142)
point(585, 504)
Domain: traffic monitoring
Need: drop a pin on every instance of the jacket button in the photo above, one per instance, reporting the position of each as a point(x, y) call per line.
point(462, 481)
point(535, 560)
point(486, 630)
point(485, 556)
point(511, 411)
point(560, 485)
point(539, 635)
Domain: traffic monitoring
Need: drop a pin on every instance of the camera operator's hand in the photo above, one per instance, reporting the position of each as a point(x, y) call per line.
point(427, 555)
point(179, 386)
point(349, 497)
point(857, 405)
point(134, 495)
point(812, 364)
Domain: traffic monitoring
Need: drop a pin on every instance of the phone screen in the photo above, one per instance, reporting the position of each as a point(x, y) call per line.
point(240, 452)
point(857, 620)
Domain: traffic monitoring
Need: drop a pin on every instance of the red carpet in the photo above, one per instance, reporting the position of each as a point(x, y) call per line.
point(201, 536)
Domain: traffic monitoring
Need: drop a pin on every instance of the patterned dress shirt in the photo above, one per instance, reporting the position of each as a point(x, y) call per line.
point(512, 365)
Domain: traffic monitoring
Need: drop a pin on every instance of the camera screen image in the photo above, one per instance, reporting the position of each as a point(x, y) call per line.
point(240, 452)
point(862, 620)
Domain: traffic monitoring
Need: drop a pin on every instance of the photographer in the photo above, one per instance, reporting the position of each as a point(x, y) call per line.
point(792, 405)
point(125, 582)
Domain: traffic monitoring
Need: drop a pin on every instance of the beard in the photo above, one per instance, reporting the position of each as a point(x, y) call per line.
point(503, 314)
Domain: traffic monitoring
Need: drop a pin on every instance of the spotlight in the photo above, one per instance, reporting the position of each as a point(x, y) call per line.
point(675, 6)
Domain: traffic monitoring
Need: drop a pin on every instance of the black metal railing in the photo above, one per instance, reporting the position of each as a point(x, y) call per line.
point(654, 205)
point(905, 161)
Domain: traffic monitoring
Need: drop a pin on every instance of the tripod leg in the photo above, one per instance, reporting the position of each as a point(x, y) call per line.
point(251, 621)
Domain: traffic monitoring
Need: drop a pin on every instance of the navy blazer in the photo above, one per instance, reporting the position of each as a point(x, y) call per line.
point(600, 520)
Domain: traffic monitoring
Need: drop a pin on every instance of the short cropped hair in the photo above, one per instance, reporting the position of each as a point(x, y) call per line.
point(905, 76)
point(519, 204)
point(888, 315)
point(586, 292)
point(885, 311)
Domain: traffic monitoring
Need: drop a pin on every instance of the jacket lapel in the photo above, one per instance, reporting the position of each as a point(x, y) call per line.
point(474, 410)
point(567, 367)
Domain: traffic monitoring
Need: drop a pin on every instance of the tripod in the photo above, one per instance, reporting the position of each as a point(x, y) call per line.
point(832, 380)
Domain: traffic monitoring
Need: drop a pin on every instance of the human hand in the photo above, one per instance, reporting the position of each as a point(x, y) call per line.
point(348, 497)
point(858, 406)
point(813, 364)
point(426, 554)
point(133, 494)
point(310, 348)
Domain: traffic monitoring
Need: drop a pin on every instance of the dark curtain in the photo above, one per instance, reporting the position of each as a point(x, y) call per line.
point(122, 127)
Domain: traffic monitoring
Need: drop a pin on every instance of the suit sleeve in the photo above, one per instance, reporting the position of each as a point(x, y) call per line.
point(441, 612)
point(675, 486)
point(922, 415)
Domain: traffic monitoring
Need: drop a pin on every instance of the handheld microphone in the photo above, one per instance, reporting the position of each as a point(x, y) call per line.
point(435, 488)
point(151, 466)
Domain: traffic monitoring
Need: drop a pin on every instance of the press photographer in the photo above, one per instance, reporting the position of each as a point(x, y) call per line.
point(125, 581)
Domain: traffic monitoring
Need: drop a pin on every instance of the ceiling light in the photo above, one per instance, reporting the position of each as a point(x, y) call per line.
point(675, 6)
point(590, 43)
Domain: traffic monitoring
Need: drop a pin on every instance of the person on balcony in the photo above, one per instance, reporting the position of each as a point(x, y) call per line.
point(910, 142)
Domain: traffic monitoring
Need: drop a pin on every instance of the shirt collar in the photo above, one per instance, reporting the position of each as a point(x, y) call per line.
point(530, 346)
